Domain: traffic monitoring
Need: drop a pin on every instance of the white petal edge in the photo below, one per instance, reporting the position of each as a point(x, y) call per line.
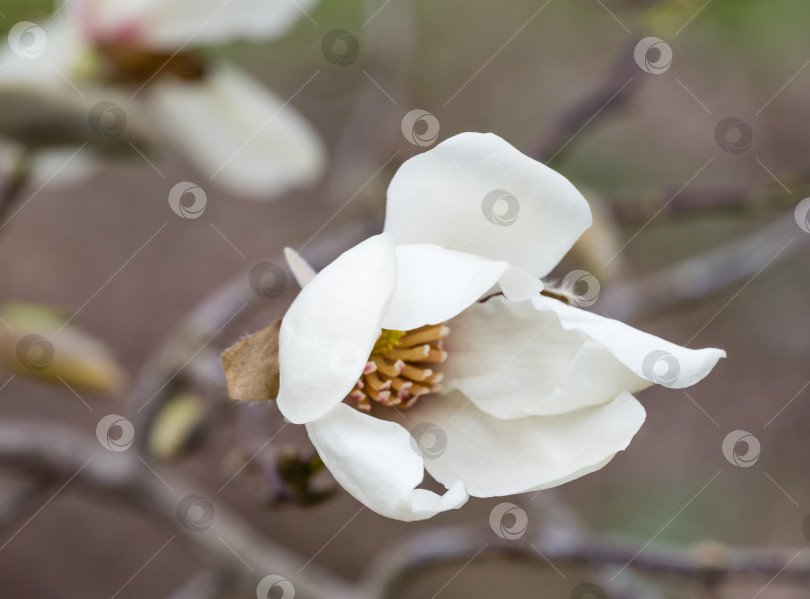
point(377, 462)
point(649, 357)
point(493, 457)
point(518, 285)
point(301, 269)
point(239, 133)
point(435, 284)
point(53, 53)
point(512, 361)
point(449, 196)
point(329, 331)
point(164, 25)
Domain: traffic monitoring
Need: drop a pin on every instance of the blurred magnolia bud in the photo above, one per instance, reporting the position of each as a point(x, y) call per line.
point(174, 427)
point(36, 342)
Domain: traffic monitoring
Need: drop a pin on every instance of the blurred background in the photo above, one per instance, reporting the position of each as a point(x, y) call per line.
point(110, 246)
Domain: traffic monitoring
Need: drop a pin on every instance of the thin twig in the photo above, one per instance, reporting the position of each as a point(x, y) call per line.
point(557, 517)
point(701, 276)
point(434, 548)
point(617, 89)
point(45, 450)
point(734, 199)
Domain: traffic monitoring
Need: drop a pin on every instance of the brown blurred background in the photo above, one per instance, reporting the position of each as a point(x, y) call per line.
point(733, 56)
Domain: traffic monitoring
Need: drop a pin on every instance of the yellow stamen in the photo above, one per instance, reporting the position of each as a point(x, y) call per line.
point(395, 373)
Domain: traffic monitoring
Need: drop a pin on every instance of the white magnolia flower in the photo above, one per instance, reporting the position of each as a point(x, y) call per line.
point(233, 128)
point(517, 393)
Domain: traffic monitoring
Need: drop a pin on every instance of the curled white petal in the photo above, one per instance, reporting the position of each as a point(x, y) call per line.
point(329, 331)
point(513, 360)
point(476, 193)
point(434, 284)
point(649, 357)
point(493, 457)
point(375, 461)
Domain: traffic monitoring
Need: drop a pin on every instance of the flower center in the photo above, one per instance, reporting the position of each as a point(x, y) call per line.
point(401, 367)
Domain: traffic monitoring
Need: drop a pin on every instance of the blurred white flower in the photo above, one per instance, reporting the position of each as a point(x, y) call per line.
point(517, 393)
point(129, 70)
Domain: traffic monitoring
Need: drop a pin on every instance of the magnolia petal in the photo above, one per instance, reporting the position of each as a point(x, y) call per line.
point(476, 193)
point(653, 359)
point(329, 331)
point(240, 133)
point(377, 462)
point(493, 457)
point(518, 285)
point(42, 56)
point(300, 268)
point(512, 360)
point(166, 25)
point(434, 284)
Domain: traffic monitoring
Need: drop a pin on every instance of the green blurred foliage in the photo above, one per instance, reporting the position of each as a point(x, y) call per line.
point(14, 11)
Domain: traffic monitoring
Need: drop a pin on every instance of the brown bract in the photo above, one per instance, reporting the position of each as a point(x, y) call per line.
point(251, 366)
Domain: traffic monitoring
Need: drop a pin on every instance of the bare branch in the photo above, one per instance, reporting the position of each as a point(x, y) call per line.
point(229, 545)
point(456, 545)
point(619, 87)
point(733, 199)
point(698, 277)
point(241, 556)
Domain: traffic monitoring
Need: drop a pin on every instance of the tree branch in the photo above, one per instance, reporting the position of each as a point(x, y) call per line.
point(698, 277)
point(43, 450)
point(734, 199)
point(619, 87)
point(456, 545)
